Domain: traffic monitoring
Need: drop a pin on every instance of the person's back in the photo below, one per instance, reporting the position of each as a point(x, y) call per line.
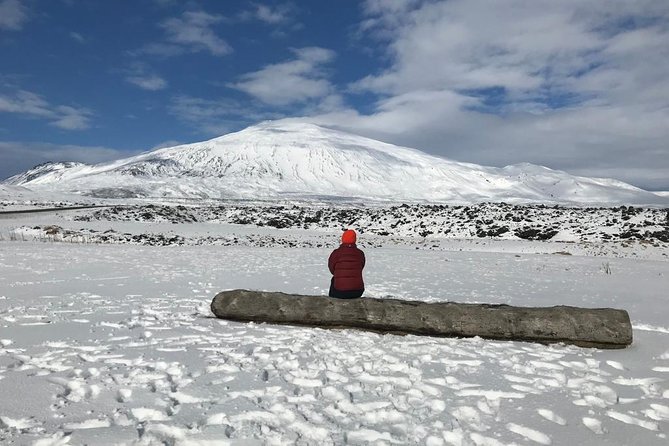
point(346, 264)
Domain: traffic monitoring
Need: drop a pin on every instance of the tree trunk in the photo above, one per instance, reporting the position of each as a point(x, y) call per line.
point(585, 327)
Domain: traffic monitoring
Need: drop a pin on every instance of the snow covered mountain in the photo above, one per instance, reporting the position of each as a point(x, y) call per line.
point(288, 159)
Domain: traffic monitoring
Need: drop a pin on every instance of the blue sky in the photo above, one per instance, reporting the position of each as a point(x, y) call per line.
point(581, 86)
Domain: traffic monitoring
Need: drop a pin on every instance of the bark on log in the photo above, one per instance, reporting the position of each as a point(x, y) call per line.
point(585, 327)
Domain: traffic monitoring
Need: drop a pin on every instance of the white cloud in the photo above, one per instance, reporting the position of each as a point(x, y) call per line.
point(582, 85)
point(13, 15)
point(140, 74)
point(149, 82)
point(193, 30)
point(33, 105)
point(198, 109)
point(78, 37)
point(272, 15)
point(70, 118)
point(294, 81)
point(269, 15)
point(519, 45)
point(25, 102)
point(158, 49)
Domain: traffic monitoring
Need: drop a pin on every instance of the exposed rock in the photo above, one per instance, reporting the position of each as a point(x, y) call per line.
point(535, 233)
point(484, 220)
point(587, 327)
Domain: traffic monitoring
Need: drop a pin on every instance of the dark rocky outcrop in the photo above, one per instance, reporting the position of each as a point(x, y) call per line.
point(586, 327)
point(483, 220)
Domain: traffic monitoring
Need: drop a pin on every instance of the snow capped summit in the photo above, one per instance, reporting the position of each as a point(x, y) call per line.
point(293, 159)
point(43, 171)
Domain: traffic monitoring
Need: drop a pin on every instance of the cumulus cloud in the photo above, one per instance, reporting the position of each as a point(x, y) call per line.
point(194, 31)
point(295, 81)
point(575, 85)
point(33, 105)
point(13, 15)
point(520, 46)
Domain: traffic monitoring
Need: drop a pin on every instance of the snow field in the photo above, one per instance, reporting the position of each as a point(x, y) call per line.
point(115, 344)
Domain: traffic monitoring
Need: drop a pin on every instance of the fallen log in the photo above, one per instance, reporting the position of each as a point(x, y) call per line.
point(585, 327)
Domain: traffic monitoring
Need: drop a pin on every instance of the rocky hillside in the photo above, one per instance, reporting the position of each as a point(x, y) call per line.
point(497, 221)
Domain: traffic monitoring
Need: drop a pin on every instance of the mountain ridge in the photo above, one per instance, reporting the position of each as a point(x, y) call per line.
point(284, 159)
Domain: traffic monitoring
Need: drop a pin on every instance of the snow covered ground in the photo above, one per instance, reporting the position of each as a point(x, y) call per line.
point(115, 344)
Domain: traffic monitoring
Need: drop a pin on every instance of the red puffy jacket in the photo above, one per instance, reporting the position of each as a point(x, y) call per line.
point(346, 264)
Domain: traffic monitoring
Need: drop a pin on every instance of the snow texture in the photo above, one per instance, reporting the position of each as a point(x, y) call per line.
point(114, 343)
point(285, 159)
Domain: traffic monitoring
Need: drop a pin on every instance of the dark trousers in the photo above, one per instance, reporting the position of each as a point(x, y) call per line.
point(348, 294)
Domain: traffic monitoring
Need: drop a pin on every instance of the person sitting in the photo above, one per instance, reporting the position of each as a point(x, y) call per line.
point(346, 264)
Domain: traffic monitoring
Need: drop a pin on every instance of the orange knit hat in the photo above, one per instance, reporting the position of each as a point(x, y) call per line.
point(348, 236)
